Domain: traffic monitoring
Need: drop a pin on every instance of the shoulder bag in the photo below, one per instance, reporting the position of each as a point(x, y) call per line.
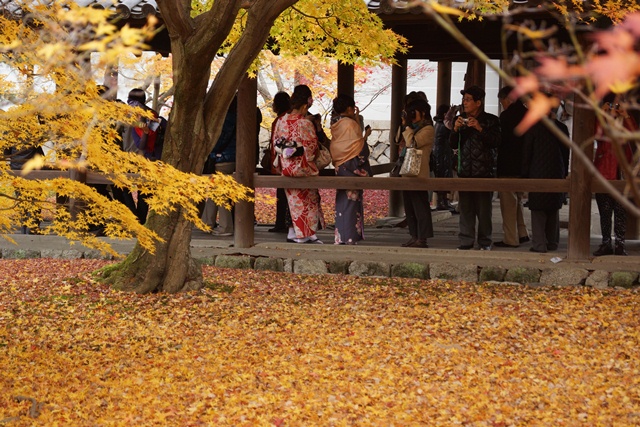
point(323, 158)
point(412, 161)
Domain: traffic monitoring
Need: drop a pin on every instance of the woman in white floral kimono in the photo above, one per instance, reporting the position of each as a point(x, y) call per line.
point(304, 204)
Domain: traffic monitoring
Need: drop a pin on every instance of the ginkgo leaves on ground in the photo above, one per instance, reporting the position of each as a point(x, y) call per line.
point(265, 348)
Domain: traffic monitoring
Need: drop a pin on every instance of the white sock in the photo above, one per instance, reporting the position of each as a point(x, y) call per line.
point(291, 234)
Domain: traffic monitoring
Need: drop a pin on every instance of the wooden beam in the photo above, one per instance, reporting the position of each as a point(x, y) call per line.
point(438, 184)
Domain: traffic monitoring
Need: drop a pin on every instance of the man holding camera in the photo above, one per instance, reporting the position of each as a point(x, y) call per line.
point(476, 135)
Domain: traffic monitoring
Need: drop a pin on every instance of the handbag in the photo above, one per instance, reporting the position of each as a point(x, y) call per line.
point(323, 158)
point(412, 162)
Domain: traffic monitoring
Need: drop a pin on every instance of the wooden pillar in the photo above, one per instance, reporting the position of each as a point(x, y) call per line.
point(246, 140)
point(346, 84)
point(580, 187)
point(398, 91)
point(443, 91)
point(476, 74)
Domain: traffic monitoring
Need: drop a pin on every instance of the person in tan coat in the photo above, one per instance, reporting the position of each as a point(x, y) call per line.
point(419, 133)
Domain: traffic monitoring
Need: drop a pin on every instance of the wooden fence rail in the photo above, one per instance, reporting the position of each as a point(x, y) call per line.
point(578, 249)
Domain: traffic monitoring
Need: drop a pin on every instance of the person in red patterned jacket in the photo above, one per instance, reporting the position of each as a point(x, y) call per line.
point(606, 162)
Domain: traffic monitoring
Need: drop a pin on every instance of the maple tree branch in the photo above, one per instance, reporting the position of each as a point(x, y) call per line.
point(445, 22)
point(324, 30)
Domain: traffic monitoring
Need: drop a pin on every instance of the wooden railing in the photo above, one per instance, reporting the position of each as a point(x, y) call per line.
point(388, 183)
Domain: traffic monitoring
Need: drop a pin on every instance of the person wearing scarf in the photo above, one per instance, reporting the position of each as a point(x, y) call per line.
point(420, 134)
point(350, 157)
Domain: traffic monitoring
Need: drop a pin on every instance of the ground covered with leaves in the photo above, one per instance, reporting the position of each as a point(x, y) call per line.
point(264, 348)
point(376, 205)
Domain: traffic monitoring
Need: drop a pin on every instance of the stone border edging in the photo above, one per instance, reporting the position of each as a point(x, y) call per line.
point(600, 279)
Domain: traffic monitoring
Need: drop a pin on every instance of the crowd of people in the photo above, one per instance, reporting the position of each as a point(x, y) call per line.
point(464, 141)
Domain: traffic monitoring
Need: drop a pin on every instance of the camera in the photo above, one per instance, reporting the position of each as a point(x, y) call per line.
point(465, 122)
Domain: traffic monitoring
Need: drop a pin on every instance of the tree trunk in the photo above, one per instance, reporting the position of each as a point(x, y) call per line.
point(188, 141)
point(170, 269)
point(194, 125)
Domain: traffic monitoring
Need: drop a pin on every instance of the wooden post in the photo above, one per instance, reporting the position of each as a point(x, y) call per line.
point(246, 140)
point(476, 74)
point(398, 91)
point(580, 187)
point(443, 91)
point(346, 84)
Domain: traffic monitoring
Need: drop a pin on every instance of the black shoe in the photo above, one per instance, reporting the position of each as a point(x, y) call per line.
point(524, 239)
point(291, 240)
point(277, 230)
point(418, 243)
point(465, 247)
point(504, 245)
point(409, 242)
point(552, 247)
point(620, 250)
point(604, 249)
point(443, 206)
point(536, 250)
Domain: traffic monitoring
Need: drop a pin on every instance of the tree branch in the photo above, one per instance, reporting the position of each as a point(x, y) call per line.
point(177, 15)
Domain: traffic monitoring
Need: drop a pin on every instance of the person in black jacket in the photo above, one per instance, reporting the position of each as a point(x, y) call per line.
point(510, 166)
point(476, 136)
point(545, 156)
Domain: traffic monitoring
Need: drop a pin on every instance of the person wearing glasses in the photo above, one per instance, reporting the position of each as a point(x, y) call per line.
point(476, 135)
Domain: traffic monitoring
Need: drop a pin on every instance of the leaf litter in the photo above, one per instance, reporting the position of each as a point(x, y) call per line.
point(266, 348)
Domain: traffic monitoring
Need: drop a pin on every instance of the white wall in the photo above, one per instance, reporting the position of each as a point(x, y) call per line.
point(379, 110)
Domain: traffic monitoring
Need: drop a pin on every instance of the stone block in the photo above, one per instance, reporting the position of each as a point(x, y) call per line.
point(61, 254)
point(272, 264)
point(233, 261)
point(339, 267)
point(454, 272)
point(523, 275)
point(623, 279)
point(598, 279)
point(412, 270)
point(310, 266)
point(564, 276)
point(20, 253)
point(96, 254)
point(492, 274)
point(369, 269)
